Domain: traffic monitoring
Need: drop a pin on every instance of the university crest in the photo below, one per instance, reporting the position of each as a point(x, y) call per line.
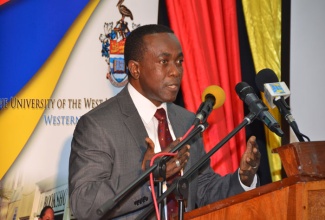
point(113, 41)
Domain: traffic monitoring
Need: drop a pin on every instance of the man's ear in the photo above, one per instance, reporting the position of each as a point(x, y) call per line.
point(133, 67)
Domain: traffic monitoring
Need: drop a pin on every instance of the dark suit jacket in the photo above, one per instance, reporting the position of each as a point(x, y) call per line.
point(106, 154)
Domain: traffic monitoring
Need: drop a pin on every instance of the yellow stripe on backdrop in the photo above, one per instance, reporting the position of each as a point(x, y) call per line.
point(263, 22)
point(17, 125)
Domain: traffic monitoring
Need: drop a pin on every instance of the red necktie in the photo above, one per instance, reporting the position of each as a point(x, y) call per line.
point(165, 139)
point(164, 135)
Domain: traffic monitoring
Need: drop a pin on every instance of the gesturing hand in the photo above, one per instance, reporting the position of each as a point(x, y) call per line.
point(249, 162)
point(150, 152)
point(175, 164)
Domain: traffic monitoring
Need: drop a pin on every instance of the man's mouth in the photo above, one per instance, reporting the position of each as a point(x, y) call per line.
point(173, 87)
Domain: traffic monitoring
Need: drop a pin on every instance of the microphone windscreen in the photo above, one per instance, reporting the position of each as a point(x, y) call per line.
point(242, 89)
point(265, 76)
point(217, 92)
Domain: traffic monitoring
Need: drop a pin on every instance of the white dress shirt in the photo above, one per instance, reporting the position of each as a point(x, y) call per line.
point(147, 111)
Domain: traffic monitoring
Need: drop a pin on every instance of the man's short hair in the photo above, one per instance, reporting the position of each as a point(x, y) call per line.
point(45, 208)
point(134, 45)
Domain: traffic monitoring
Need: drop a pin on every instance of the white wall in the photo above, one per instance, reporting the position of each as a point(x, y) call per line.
point(307, 63)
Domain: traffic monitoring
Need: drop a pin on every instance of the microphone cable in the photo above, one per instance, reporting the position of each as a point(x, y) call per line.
point(158, 155)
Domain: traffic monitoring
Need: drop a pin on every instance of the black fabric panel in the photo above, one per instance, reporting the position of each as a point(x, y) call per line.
point(248, 75)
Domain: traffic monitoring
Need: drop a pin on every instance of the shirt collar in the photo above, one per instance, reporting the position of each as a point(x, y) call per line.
point(144, 106)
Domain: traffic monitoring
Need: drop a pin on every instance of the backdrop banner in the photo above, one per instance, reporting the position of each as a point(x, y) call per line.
point(58, 60)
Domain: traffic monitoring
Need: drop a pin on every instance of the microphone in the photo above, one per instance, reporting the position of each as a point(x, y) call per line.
point(275, 93)
point(213, 97)
point(257, 107)
point(267, 82)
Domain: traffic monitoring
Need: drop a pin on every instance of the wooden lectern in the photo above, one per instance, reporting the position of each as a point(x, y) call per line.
point(299, 196)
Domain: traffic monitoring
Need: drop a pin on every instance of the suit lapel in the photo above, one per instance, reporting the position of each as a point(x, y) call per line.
point(132, 119)
point(178, 126)
point(175, 121)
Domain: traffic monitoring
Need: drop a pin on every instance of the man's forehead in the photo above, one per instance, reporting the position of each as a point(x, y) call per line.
point(161, 40)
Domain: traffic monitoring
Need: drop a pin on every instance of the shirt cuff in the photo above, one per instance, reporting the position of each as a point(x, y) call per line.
point(252, 186)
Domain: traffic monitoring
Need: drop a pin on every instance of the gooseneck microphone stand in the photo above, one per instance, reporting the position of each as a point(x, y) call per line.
point(161, 168)
point(284, 110)
point(247, 120)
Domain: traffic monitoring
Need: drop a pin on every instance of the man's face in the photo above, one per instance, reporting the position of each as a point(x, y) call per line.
point(160, 69)
point(49, 215)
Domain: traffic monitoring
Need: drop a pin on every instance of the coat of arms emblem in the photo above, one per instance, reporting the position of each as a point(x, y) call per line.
point(113, 41)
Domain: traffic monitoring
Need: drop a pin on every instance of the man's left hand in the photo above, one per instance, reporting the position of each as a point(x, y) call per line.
point(249, 162)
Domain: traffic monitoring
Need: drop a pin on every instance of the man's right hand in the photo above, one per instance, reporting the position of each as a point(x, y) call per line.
point(175, 164)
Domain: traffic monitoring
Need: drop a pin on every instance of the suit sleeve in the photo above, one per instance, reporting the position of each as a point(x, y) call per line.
point(206, 186)
point(213, 187)
point(91, 168)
